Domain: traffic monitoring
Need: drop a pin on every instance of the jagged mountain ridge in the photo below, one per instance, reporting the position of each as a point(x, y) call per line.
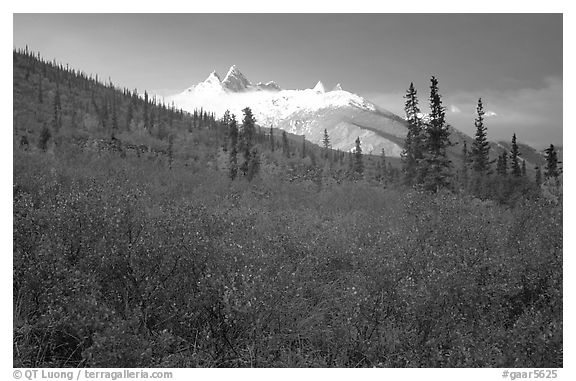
point(344, 115)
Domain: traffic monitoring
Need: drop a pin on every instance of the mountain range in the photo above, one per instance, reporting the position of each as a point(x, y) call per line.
point(308, 112)
point(344, 115)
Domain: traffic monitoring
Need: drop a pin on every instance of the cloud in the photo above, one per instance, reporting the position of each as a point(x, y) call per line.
point(534, 114)
point(393, 102)
point(454, 109)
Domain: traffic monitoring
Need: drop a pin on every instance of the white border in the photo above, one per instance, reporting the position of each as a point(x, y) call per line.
point(298, 6)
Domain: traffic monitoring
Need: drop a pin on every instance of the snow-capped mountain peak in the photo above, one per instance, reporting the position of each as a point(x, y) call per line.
point(338, 87)
point(235, 80)
point(211, 85)
point(213, 77)
point(319, 87)
point(303, 112)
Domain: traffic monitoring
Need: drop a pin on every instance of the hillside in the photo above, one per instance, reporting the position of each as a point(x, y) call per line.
point(530, 154)
point(91, 113)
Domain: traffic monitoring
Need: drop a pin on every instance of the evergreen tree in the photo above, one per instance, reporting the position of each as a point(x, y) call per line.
point(171, 115)
point(272, 141)
point(435, 169)
point(114, 116)
point(479, 155)
point(413, 144)
point(195, 119)
point(226, 118)
point(57, 115)
point(233, 158)
point(326, 143)
point(465, 161)
point(303, 146)
point(514, 154)
point(358, 159)
point(551, 169)
point(146, 120)
point(226, 124)
point(247, 138)
point(381, 167)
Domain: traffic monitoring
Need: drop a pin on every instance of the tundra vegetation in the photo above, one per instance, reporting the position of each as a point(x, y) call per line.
point(145, 236)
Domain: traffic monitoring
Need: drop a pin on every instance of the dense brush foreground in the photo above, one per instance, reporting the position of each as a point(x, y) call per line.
point(153, 257)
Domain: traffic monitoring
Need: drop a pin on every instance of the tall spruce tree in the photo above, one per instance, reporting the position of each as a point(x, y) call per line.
point(225, 122)
point(465, 162)
point(514, 158)
point(436, 168)
point(233, 156)
point(413, 144)
point(479, 155)
point(358, 158)
point(272, 141)
point(247, 139)
point(382, 171)
point(57, 115)
point(551, 169)
point(226, 117)
point(145, 111)
point(114, 115)
point(326, 143)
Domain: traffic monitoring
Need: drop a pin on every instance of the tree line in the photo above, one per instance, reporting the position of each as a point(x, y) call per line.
point(426, 166)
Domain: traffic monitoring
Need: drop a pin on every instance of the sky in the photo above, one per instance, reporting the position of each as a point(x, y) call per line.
point(512, 61)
